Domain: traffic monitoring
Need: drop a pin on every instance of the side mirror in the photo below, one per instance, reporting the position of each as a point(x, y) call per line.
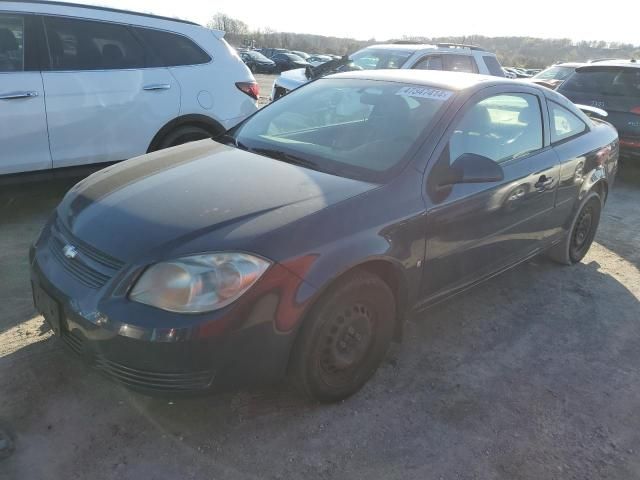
point(472, 168)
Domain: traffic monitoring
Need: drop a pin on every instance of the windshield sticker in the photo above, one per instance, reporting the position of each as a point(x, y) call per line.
point(425, 92)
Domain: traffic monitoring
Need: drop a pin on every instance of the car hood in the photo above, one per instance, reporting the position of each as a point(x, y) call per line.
point(157, 203)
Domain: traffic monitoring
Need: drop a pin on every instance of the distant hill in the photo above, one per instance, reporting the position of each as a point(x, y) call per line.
point(525, 52)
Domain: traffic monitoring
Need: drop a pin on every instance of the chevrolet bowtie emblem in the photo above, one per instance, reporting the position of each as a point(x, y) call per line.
point(70, 251)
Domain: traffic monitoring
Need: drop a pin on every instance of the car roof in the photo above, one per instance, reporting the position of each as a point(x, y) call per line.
point(456, 81)
point(609, 63)
point(103, 9)
point(568, 64)
point(414, 47)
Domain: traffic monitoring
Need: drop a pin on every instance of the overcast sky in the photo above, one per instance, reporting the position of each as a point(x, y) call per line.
point(614, 20)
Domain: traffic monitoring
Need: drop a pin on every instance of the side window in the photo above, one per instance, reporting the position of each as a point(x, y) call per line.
point(459, 63)
point(11, 43)
point(564, 124)
point(172, 50)
point(430, 62)
point(493, 65)
point(502, 127)
point(88, 45)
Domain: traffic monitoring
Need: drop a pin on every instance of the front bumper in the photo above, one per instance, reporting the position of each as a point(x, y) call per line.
point(155, 351)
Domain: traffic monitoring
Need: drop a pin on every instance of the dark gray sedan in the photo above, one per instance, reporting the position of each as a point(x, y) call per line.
point(300, 241)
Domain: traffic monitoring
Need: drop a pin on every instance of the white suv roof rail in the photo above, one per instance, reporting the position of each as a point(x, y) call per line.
point(459, 45)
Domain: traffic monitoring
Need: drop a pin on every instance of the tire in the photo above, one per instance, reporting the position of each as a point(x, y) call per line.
point(183, 134)
point(577, 242)
point(344, 339)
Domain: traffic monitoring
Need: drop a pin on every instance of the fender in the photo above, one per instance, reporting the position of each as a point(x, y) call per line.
point(213, 126)
point(387, 268)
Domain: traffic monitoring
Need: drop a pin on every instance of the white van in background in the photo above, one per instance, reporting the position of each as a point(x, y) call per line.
point(83, 85)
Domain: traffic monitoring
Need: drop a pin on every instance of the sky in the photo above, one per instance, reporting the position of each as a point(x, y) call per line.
point(615, 20)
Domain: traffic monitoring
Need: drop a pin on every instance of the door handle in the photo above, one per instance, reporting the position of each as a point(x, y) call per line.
point(157, 86)
point(16, 95)
point(543, 183)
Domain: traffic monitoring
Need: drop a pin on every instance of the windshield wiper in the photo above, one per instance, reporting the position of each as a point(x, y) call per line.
point(228, 139)
point(286, 157)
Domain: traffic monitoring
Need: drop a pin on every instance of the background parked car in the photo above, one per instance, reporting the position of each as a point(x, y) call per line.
point(613, 86)
point(303, 55)
point(270, 52)
point(553, 76)
point(110, 85)
point(257, 62)
point(518, 72)
point(288, 61)
point(316, 60)
point(443, 56)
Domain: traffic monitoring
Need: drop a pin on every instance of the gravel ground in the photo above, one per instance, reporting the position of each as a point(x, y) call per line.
point(533, 375)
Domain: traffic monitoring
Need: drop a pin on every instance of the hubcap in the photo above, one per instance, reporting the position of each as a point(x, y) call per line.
point(347, 339)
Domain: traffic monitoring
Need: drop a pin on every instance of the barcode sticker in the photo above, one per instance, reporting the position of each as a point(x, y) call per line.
point(425, 92)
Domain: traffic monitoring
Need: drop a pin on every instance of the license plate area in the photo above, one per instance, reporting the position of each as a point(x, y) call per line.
point(48, 307)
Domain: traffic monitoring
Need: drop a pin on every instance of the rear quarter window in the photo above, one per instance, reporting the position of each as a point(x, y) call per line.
point(170, 49)
point(493, 65)
point(564, 124)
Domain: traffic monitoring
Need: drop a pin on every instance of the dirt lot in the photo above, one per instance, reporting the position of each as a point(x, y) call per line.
point(534, 375)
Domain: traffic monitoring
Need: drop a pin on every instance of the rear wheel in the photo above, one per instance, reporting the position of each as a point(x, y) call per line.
point(183, 134)
point(344, 339)
point(583, 230)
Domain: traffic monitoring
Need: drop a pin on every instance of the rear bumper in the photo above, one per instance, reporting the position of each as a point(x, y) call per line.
point(630, 146)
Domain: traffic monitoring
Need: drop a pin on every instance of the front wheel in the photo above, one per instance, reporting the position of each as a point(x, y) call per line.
point(583, 230)
point(344, 339)
point(182, 135)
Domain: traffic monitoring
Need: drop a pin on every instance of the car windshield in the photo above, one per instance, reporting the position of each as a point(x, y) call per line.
point(611, 81)
point(375, 59)
point(555, 73)
point(350, 127)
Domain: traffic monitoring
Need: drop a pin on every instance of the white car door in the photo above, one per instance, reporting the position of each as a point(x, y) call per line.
point(24, 145)
point(102, 104)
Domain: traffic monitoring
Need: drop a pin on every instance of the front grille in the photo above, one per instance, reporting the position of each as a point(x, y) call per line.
point(91, 267)
point(72, 341)
point(136, 378)
point(160, 381)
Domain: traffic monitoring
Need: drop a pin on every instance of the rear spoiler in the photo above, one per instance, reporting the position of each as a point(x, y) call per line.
point(592, 110)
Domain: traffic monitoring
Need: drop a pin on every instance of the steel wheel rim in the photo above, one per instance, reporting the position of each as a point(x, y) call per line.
point(345, 342)
point(583, 231)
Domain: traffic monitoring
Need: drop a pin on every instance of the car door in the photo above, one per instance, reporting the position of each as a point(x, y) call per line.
point(102, 103)
point(475, 230)
point(23, 122)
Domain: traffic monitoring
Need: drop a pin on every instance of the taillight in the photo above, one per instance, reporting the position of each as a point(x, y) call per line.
point(250, 88)
point(636, 110)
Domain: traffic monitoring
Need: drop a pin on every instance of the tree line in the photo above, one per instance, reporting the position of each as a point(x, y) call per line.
point(527, 52)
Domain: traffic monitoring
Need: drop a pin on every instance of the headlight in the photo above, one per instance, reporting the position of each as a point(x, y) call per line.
point(199, 283)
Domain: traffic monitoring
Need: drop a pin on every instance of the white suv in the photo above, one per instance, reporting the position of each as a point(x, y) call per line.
point(82, 84)
point(453, 57)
